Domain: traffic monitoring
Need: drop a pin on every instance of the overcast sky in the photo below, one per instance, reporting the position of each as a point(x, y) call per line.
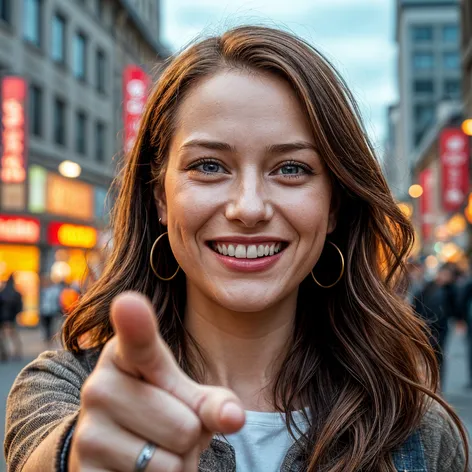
point(357, 35)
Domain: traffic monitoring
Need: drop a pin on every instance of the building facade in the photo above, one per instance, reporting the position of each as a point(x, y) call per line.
point(69, 57)
point(429, 73)
point(466, 49)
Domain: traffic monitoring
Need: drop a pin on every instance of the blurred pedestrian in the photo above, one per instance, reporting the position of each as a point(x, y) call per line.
point(437, 303)
point(416, 281)
point(11, 304)
point(466, 307)
point(50, 308)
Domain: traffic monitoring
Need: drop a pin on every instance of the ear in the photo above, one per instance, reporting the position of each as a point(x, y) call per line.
point(161, 203)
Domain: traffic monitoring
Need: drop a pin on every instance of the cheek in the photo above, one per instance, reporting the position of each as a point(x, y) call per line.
point(308, 210)
point(189, 206)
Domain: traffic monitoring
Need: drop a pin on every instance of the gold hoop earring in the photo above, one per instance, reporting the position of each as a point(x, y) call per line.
point(151, 260)
point(342, 269)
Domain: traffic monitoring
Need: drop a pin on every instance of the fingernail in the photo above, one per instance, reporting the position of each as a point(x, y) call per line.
point(232, 411)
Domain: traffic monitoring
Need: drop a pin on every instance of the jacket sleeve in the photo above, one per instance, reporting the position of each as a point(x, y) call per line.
point(45, 396)
point(443, 446)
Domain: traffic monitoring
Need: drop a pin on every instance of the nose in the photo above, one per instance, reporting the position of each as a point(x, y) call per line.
point(250, 204)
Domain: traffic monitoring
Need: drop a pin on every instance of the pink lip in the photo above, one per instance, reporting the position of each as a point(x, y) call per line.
point(248, 265)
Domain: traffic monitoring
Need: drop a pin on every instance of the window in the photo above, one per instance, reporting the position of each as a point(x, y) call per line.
point(100, 141)
point(100, 9)
point(58, 38)
point(452, 88)
point(5, 10)
point(419, 136)
point(424, 115)
point(79, 51)
point(100, 68)
point(451, 60)
point(32, 21)
point(422, 33)
point(423, 86)
point(35, 103)
point(80, 133)
point(59, 122)
point(423, 60)
point(451, 33)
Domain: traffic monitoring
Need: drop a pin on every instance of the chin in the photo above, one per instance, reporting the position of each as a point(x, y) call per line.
point(246, 301)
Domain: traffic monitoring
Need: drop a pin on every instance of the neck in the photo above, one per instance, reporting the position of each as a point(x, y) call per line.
point(242, 351)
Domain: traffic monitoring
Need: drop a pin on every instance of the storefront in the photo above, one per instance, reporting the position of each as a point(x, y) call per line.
point(20, 256)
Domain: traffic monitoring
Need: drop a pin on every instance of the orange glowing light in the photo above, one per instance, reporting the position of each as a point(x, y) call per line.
point(72, 235)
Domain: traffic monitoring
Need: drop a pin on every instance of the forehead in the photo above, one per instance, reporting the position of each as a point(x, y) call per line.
point(243, 105)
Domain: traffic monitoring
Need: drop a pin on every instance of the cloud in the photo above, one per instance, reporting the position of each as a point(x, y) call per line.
point(355, 35)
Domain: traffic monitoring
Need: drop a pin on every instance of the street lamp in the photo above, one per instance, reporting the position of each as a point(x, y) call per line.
point(70, 169)
point(467, 127)
point(415, 191)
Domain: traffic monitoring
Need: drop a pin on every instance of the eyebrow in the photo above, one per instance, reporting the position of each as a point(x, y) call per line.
point(282, 148)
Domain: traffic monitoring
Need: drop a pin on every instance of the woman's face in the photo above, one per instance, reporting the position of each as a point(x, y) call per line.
point(247, 199)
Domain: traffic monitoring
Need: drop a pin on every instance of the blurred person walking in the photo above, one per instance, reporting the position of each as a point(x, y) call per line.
point(11, 305)
point(50, 308)
point(466, 308)
point(437, 303)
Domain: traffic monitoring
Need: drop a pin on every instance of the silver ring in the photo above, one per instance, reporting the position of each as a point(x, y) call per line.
point(145, 457)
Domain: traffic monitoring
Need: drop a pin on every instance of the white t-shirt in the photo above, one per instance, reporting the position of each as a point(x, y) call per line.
point(263, 442)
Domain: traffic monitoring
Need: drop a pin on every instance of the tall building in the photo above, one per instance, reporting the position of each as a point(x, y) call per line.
point(61, 70)
point(429, 73)
point(389, 160)
point(466, 47)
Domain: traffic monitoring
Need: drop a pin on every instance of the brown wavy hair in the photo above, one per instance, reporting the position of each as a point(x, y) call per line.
point(359, 357)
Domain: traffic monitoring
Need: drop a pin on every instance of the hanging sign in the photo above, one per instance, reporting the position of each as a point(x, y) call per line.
point(454, 156)
point(13, 130)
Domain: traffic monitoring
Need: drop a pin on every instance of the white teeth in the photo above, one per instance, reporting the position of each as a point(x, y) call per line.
point(240, 251)
point(251, 252)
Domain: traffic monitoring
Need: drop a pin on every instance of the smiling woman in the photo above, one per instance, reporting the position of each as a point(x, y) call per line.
point(272, 335)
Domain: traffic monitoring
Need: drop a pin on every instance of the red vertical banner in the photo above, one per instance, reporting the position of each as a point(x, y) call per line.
point(136, 85)
point(426, 203)
point(454, 156)
point(13, 130)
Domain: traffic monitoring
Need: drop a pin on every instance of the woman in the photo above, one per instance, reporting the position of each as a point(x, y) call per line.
point(277, 292)
point(11, 305)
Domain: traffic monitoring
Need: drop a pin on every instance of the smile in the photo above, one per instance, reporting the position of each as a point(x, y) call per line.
point(247, 251)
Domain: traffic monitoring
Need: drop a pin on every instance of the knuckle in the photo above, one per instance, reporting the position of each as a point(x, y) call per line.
point(96, 391)
point(88, 440)
point(188, 431)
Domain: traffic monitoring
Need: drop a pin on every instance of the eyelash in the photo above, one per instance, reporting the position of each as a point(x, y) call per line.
point(206, 160)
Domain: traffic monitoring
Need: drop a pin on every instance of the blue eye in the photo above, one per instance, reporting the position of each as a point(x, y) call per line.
point(291, 169)
point(207, 166)
point(210, 167)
